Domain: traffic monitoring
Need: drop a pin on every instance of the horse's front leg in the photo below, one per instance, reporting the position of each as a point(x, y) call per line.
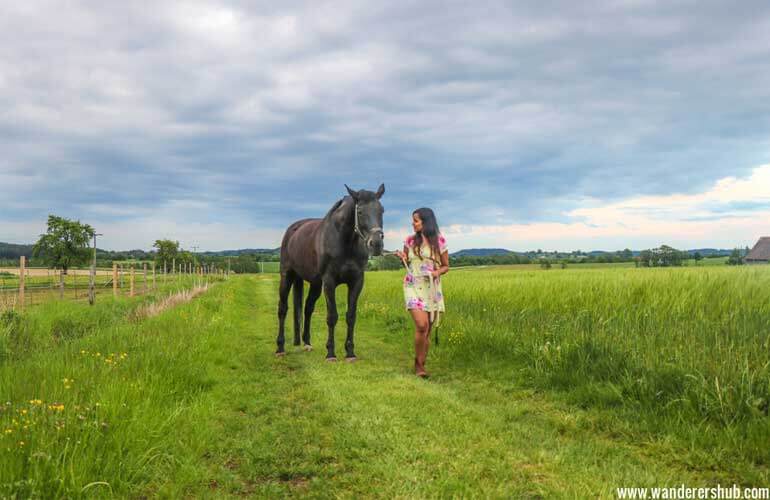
point(354, 290)
point(331, 317)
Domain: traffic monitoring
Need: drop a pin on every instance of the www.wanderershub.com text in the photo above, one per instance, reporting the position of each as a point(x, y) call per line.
point(683, 491)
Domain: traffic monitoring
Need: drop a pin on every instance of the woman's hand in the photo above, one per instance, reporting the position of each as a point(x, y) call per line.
point(401, 255)
point(435, 273)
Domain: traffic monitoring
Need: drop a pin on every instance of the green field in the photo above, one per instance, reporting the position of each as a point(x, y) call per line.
point(559, 383)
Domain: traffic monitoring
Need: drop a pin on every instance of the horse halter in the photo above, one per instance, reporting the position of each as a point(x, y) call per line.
point(357, 228)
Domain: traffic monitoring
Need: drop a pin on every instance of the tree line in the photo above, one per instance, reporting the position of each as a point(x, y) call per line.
point(67, 244)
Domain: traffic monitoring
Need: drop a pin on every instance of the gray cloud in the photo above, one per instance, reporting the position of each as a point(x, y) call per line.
point(489, 112)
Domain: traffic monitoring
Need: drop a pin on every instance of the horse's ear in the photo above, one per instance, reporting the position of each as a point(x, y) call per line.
point(353, 194)
point(380, 191)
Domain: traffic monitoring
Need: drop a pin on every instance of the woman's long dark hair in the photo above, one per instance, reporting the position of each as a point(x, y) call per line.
point(429, 231)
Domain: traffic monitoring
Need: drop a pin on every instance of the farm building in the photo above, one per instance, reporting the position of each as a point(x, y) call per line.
point(760, 254)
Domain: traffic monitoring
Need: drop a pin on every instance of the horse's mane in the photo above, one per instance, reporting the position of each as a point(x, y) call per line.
point(335, 207)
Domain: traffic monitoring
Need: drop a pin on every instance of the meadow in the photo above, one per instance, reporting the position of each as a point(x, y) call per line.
point(556, 383)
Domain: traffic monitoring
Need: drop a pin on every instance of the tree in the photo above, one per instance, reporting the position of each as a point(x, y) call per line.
point(65, 244)
point(385, 262)
point(698, 257)
point(167, 251)
point(186, 257)
point(627, 254)
point(668, 256)
point(646, 258)
point(735, 258)
point(663, 256)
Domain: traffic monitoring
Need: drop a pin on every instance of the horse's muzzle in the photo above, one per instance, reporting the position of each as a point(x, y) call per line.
point(375, 245)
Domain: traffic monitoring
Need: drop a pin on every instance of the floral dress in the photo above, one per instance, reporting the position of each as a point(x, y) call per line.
point(417, 282)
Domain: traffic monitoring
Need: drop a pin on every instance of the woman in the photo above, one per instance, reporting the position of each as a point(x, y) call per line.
point(427, 258)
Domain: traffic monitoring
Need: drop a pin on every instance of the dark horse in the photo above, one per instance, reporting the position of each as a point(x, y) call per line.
point(328, 252)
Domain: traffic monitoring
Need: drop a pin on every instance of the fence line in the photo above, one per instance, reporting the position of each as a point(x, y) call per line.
point(24, 286)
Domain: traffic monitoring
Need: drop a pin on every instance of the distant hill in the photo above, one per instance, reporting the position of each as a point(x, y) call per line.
point(13, 251)
point(236, 253)
point(486, 252)
point(711, 252)
point(481, 252)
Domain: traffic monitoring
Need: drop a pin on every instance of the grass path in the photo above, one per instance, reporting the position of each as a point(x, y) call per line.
point(199, 407)
point(301, 426)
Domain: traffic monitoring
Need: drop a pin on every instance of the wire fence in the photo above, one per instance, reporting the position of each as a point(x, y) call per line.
point(24, 286)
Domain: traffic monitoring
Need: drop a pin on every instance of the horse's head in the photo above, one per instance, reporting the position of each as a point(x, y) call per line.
point(368, 217)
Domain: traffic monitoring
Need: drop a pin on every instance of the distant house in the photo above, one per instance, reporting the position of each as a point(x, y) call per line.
point(760, 254)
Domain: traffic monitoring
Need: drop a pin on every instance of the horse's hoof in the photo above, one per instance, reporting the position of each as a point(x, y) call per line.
point(351, 359)
point(280, 354)
point(331, 359)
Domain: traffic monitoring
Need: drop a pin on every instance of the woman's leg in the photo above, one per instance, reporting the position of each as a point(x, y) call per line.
point(421, 341)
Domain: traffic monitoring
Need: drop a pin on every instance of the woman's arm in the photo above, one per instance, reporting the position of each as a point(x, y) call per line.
point(444, 266)
point(403, 255)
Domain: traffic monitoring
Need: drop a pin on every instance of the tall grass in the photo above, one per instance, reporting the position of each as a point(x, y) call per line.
point(682, 349)
point(88, 395)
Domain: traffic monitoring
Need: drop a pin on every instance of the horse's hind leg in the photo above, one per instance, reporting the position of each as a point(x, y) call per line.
point(287, 279)
point(298, 290)
point(312, 297)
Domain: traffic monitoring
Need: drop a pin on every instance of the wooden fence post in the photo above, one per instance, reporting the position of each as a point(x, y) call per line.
point(92, 285)
point(114, 280)
point(144, 287)
point(22, 265)
point(131, 281)
point(153, 276)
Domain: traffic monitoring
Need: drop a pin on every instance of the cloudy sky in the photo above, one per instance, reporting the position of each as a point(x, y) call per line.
point(552, 124)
